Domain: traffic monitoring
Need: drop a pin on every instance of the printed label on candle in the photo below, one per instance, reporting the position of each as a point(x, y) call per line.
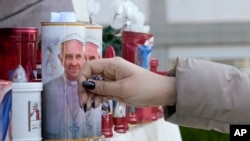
point(65, 48)
point(34, 115)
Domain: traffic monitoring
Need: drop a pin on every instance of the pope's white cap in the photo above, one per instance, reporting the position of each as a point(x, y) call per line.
point(93, 40)
point(35, 104)
point(73, 36)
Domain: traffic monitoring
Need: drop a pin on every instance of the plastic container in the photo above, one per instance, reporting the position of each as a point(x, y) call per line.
point(119, 117)
point(26, 111)
point(107, 119)
point(107, 105)
point(131, 41)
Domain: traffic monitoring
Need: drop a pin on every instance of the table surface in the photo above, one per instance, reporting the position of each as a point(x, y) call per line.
point(159, 130)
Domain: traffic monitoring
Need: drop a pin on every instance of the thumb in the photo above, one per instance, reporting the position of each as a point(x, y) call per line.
point(102, 87)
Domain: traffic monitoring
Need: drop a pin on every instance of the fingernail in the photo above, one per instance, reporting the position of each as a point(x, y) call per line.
point(85, 108)
point(80, 103)
point(90, 85)
point(93, 104)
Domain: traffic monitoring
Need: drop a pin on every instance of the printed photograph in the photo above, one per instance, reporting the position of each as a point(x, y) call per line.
point(63, 117)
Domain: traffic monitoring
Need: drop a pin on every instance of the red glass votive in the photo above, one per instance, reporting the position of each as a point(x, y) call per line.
point(131, 115)
point(18, 46)
point(144, 114)
point(107, 125)
point(120, 124)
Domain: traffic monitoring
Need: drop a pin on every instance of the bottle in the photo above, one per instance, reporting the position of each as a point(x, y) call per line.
point(144, 114)
point(107, 105)
point(107, 118)
point(131, 115)
point(119, 117)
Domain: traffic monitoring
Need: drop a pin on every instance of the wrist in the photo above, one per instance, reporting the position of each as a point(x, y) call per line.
point(170, 94)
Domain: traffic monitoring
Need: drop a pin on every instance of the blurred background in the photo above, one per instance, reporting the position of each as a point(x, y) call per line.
point(208, 29)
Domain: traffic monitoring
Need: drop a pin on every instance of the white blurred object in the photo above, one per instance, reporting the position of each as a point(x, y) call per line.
point(68, 17)
point(139, 18)
point(149, 42)
point(130, 9)
point(80, 7)
point(55, 17)
point(63, 17)
point(146, 28)
point(128, 17)
point(19, 75)
point(24, 95)
point(159, 130)
point(35, 73)
point(117, 5)
point(118, 22)
point(93, 7)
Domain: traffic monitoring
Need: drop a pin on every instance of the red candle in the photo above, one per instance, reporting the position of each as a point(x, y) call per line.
point(131, 115)
point(119, 117)
point(107, 119)
point(18, 46)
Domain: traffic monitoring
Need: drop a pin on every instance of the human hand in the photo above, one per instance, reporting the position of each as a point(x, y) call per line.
point(124, 82)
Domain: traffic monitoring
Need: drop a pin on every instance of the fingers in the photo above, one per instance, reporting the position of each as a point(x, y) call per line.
point(111, 70)
point(94, 91)
point(93, 67)
point(102, 87)
point(97, 101)
point(88, 70)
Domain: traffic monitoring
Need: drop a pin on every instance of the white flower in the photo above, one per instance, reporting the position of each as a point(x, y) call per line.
point(128, 11)
point(97, 8)
point(146, 29)
point(117, 6)
point(93, 7)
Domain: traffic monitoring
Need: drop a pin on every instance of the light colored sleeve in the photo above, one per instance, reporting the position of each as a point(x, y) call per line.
point(210, 95)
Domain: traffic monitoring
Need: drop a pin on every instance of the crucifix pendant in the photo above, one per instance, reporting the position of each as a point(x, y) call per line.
point(74, 129)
